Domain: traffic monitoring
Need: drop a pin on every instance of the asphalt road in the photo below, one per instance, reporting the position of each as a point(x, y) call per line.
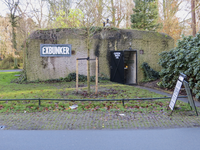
point(13, 70)
point(164, 139)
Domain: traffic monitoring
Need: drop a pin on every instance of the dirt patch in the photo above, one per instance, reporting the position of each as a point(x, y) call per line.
point(101, 94)
point(151, 84)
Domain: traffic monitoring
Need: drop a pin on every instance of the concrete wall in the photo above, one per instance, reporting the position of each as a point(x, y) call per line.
point(102, 42)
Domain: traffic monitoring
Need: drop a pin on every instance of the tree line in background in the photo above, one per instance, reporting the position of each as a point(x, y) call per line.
point(25, 16)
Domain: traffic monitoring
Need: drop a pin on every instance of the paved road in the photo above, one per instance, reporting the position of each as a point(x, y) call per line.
point(13, 70)
point(165, 139)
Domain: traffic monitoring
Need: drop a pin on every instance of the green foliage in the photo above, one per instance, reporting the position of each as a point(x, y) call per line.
point(71, 77)
point(7, 63)
point(145, 15)
point(81, 78)
point(185, 58)
point(22, 78)
point(94, 29)
point(72, 20)
point(149, 73)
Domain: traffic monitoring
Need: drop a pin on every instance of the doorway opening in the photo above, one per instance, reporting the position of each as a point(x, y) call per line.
point(123, 66)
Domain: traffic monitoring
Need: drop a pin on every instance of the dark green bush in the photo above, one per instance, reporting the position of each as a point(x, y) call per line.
point(149, 73)
point(72, 76)
point(185, 58)
point(81, 78)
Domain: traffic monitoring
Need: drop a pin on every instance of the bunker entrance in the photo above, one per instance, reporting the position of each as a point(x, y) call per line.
point(123, 66)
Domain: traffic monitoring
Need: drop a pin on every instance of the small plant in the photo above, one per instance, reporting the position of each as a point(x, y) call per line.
point(22, 78)
point(149, 73)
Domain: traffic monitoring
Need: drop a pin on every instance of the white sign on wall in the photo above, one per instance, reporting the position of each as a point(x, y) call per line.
point(55, 50)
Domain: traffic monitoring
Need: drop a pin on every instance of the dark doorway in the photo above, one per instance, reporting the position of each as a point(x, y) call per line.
point(123, 66)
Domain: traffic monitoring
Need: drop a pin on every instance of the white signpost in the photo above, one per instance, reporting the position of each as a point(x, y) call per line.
point(175, 94)
point(179, 83)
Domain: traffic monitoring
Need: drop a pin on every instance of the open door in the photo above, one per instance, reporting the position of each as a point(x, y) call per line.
point(117, 66)
point(123, 66)
point(130, 69)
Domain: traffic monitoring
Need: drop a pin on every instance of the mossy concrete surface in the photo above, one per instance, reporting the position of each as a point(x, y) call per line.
point(101, 43)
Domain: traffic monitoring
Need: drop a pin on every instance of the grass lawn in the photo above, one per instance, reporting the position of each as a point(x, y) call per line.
point(66, 90)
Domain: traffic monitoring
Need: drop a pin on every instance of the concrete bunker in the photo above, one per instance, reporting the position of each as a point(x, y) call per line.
point(145, 47)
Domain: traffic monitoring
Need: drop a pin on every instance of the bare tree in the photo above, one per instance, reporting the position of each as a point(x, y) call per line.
point(193, 17)
point(168, 18)
point(129, 5)
point(88, 7)
point(12, 6)
point(119, 12)
point(56, 5)
point(38, 11)
point(5, 37)
point(193, 9)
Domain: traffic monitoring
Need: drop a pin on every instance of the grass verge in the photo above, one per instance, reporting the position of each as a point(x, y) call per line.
point(66, 90)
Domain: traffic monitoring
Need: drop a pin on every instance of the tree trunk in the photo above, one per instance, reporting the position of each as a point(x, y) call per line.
point(13, 23)
point(88, 61)
point(113, 12)
point(100, 10)
point(164, 9)
point(193, 17)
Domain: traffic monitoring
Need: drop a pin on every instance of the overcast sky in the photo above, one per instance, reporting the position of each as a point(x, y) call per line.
point(182, 14)
point(3, 9)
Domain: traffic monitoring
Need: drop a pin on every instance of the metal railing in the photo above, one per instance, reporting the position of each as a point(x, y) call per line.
point(123, 100)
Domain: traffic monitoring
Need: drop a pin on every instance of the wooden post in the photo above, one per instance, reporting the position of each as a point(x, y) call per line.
point(76, 75)
point(96, 75)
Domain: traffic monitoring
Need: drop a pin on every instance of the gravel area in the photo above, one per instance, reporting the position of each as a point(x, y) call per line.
point(87, 120)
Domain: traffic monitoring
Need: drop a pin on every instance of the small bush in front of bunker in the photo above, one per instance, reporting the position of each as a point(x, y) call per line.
point(81, 78)
point(149, 73)
point(185, 58)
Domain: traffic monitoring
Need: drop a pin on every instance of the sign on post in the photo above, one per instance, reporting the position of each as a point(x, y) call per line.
point(176, 91)
point(55, 50)
point(179, 83)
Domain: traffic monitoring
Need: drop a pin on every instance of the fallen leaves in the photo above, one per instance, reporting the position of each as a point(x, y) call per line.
point(1, 107)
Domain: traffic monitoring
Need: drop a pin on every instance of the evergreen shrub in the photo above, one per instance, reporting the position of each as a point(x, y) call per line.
point(185, 58)
point(149, 73)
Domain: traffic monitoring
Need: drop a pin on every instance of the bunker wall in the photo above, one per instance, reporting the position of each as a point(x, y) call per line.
point(101, 43)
